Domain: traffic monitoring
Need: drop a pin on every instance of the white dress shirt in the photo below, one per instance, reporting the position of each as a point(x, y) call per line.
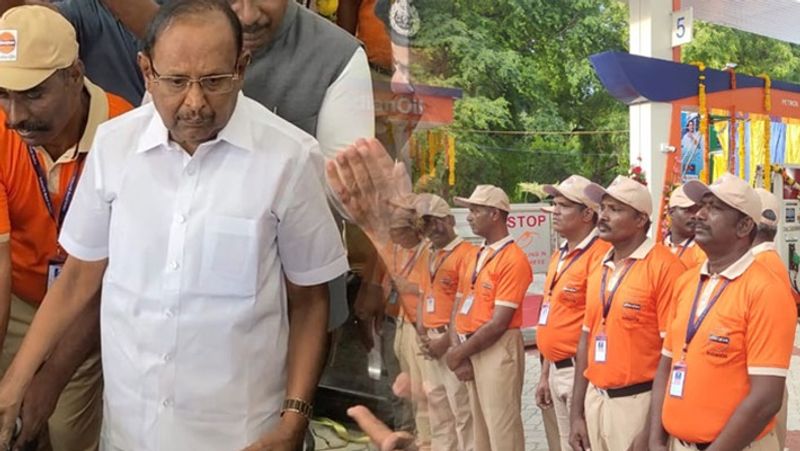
point(194, 320)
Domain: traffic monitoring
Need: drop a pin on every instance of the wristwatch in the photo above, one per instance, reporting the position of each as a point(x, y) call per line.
point(298, 406)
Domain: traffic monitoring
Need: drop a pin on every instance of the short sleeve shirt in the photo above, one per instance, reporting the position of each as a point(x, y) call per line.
point(638, 317)
point(25, 219)
point(501, 279)
point(446, 268)
point(747, 331)
point(565, 295)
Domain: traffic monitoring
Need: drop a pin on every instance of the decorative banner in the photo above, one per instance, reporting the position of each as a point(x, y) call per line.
point(692, 144)
point(451, 160)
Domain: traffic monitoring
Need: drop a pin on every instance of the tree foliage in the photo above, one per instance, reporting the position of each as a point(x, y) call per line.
point(523, 65)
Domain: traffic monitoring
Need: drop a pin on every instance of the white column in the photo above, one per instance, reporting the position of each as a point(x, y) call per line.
point(650, 24)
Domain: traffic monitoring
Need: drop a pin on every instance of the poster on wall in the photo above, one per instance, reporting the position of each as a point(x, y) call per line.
point(692, 143)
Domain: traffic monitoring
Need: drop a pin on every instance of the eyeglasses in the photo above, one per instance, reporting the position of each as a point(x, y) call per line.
point(211, 84)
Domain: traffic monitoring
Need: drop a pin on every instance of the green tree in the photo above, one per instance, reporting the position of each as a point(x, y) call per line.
point(523, 65)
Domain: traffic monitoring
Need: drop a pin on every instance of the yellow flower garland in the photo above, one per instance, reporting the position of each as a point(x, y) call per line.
point(451, 160)
point(768, 131)
point(740, 142)
point(703, 107)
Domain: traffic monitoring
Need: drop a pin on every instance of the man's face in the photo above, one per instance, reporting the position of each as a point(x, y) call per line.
point(682, 220)
point(719, 225)
point(406, 237)
point(260, 20)
point(481, 218)
point(617, 221)
point(567, 215)
point(195, 48)
point(438, 230)
point(41, 114)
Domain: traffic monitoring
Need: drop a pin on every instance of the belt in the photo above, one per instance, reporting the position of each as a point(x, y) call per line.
point(699, 446)
point(630, 390)
point(566, 363)
point(440, 329)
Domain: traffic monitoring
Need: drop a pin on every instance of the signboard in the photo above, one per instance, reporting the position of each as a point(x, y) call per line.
point(682, 27)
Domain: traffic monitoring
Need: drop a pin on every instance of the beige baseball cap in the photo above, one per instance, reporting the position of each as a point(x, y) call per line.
point(730, 189)
point(768, 202)
point(574, 189)
point(432, 205)
point(487, 196)
point(626, 190)
point(679, 199)
point(35, 42)
point(404, 214)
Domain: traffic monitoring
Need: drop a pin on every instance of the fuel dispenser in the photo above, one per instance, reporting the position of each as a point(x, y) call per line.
point(788, 239)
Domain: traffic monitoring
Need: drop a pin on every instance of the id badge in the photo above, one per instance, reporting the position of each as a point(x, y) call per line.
point(467, 305)
point(430, 304)
point(54, 268)
point(544, 313)
point(678, 380)
point(600, 348)
point(393, 297)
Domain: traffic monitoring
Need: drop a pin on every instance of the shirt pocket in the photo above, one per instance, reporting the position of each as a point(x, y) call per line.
point(636, 309)
point(722, 340)
point(230, 256)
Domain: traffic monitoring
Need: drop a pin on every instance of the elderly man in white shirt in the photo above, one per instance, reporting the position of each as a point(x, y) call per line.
point(196, 214)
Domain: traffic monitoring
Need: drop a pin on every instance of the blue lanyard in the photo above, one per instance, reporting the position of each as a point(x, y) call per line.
point(43, 189)
point(696, 322)
point(607, 302)
point(475, 272)
point(575, 258)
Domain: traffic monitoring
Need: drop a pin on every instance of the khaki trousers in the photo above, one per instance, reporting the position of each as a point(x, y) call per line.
point(781, 419)
point(76, 421)
point(767, 443)
point(410, 357)
point(448, 406)
point(613, 423)
point(551, 429)
point(561, 382)
point(495, 395)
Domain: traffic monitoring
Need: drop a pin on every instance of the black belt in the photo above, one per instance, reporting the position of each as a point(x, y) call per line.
point(566, 363)
point(630, 390)
point(700, 446)
point(440, 329)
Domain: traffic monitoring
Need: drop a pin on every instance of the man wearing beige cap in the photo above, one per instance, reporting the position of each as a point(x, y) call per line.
point(487, 323)
point(680, 239)
point(406, 257)
point(766, 253)
point(564, 303)
point(628, 310)
point(448, 400)
point(50, 112)
point(726, 355)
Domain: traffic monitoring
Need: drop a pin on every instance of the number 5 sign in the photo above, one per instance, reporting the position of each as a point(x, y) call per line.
point(682, 24)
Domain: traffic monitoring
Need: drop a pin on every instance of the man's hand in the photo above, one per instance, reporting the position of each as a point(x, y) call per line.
point(438, 347)
point(543, 399)
point(382, 437)
point(37, 407)
point(578, 435)
point(365, 178)
point(453, 358)
point(465, 372)
point(287, 436)
point(10, 403)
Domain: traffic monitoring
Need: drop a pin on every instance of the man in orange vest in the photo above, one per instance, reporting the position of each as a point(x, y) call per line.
point(448, 399)
point(561, 314)
point(628, 310)
point(726, 355)
point(766, 253)
point(50, 112)
point(487, 333)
